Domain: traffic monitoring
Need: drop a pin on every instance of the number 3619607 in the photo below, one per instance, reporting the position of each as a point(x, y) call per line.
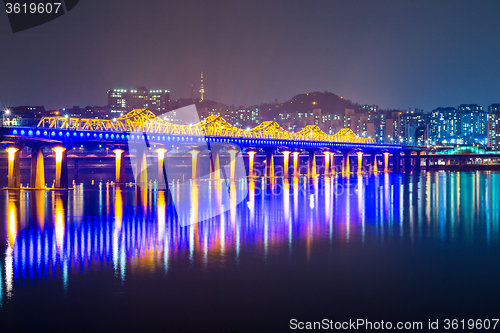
point(32, 8)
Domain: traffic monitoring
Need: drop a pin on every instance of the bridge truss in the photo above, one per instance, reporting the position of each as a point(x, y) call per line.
point(143, 120)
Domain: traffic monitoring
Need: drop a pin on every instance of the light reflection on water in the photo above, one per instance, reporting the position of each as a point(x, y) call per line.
point(55, 235)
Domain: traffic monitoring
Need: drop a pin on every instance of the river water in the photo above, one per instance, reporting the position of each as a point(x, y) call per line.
point(392, 247)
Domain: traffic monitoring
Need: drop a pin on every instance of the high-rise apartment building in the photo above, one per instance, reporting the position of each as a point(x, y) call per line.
point(122, 101)
point(474, 123)
point(445, 125)
point(494, 126)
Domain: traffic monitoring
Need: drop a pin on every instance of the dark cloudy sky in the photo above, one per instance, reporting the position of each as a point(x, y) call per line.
point(397, 54)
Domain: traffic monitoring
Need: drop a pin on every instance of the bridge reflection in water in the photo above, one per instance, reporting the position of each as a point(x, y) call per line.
point(54, 235)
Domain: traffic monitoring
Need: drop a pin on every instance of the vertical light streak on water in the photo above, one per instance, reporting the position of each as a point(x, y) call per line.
point(286, 212)
point(166, 252)
point(328, 204)
point(238, 235)
point(453, 208)
point(46, 253)
point(123, 257)
point(116, 233)
point(316, 204)
point(410, 210)
point(38, 254)
point(23, 255)
point(65, 275)
point(53, 252)
point(348, 208)
point(487, 206)
point(233, 200)
point(31, 256)
point(477, 184)
point(191, 243)
point(205, 246)
point(100, 199)
point(266, 227)
point(80, 243)
point(101, 242)
point(142, 235)
point(9, 273)
point(67, 248)
point(387, 197)
point(401, 205)
point(360, 206)
point(296, 186)
point(495, 211)
point(442, 190)
point(222, 232)
point(421, 191)
point(390, 195)
point(308, 219)
point(251, 199)
point(428, 191)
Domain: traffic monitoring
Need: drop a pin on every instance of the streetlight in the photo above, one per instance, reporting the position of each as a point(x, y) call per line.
point(5, 112)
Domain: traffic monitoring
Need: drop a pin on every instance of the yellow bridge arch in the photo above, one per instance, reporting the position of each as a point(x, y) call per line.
point(143, 120)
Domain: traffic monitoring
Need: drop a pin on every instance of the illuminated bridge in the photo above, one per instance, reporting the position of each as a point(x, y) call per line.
point(62, 134)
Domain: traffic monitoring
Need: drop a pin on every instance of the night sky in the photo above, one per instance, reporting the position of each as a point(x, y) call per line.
point(396, 54)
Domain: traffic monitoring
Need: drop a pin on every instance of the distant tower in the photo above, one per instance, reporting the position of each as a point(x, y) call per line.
point(202, 89)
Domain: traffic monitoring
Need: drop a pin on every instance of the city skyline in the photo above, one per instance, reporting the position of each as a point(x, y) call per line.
point(368, 53)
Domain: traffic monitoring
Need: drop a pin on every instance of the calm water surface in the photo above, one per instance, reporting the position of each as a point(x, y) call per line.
point(386, 247)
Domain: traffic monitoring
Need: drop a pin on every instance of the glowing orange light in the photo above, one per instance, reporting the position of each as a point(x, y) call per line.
point(118, 153)
point(161, 153)
point(11, 151)
point(58, 151)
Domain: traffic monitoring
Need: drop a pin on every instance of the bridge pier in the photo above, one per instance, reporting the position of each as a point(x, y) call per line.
point(37, 179)
point(312, 164)
point(14, 171)
point(327, 162)
point(61, 181)
point(232, 163)
point(360, 161)
point(162, 180)
point(214, 161)
point(76, 164)
point(332, 163)
point(296, 164)
point(251, 163)
point(373, 162)
point(407, 161)
point(119, 166)
point(396, 161)
point(286, 160)
point(417, 161)
point(386, 162)
point(345, 162)
point(269, 163)
point(195, 167)
point(142, 168)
